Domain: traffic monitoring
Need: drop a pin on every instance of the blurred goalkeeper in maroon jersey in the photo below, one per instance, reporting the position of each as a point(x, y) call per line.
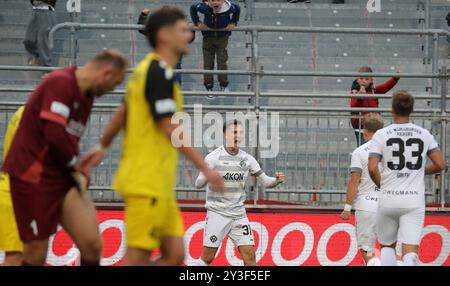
point(47, 187)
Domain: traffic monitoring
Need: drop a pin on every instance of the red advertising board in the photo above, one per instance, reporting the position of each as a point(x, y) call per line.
point(281, 239)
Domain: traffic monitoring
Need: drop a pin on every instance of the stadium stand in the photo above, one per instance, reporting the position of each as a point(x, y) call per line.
point(314, 148)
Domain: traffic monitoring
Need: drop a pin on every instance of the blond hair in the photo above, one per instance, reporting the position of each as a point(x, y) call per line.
point(373, 122)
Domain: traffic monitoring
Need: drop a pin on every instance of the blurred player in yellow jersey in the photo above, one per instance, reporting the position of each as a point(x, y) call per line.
point(10, 241)
point(147, 170)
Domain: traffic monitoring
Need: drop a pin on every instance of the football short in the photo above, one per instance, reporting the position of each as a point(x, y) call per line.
point(9, 235)
point(218, 226)
point(149, 219)
point(404, 223)
point(365, 223)
point(37, 208)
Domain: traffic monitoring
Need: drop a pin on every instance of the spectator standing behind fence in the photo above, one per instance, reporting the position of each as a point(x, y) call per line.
point(365, 85)
point(36, 37)
point(218, 14)
point(141, 21)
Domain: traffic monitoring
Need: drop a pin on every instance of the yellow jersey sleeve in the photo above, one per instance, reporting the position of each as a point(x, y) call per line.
point(159, 90)
point(11, 130)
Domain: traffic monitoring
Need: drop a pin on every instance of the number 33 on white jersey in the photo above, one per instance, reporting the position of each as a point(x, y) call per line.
point(403, 150)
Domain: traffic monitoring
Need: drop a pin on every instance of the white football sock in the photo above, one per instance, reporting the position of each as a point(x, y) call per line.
point(388, 257)
point(400, 263)
point(374, 261)
point(411, 259)
point(199, 262)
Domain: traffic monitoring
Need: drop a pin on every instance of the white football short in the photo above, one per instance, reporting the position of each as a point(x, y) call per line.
point(366, 236)
point(217, 226)
point(404, 223)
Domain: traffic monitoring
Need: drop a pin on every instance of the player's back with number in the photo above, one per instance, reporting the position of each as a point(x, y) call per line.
point(403, 149)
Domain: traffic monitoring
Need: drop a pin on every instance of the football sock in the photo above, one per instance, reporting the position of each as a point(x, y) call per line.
point(200, 262)
point(411, 259)
point(374, 261)
point(388, 257)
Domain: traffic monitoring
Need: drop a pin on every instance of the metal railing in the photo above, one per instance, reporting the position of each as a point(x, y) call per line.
point(257, 73)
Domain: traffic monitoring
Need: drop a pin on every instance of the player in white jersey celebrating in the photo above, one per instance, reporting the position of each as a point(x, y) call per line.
point(226, 213)
point(363, 194)
point(402, 148)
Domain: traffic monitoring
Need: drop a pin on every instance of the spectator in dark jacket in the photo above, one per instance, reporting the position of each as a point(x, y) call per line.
point(218, 14)
point(141, 21)
point(365, 85)
point(36, 37)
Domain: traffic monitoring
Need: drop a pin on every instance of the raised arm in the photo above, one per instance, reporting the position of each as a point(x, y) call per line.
point(262, 178)
point(270, 182)
point(142, 18)
point(201, 180)
point(387, 86)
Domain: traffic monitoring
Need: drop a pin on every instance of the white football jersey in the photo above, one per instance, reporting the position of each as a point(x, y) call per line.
point(234, 169)
point(403, 149)
point(367, 196)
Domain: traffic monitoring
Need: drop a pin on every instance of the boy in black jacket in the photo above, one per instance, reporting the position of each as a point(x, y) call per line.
point(218, 14)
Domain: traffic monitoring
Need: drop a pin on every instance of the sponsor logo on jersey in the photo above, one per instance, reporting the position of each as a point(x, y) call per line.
point(400, 193)
point(371, 198)
point(403, 175)
point(234, 176)
point(60, 108)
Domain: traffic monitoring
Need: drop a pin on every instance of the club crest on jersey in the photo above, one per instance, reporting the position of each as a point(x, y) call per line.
point(242, 164)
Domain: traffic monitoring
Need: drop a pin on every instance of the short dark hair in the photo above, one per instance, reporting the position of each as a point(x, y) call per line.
point(163, 17)
point(228, 123)
point(402, 103)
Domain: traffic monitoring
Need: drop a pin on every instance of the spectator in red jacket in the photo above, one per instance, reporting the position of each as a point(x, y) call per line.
point(365, 85)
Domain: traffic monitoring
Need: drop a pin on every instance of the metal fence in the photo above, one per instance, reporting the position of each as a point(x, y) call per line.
point(315, 142)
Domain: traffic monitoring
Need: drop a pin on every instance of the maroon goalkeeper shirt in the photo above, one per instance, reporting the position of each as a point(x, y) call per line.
point(57, 100)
